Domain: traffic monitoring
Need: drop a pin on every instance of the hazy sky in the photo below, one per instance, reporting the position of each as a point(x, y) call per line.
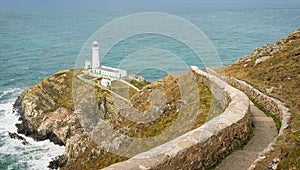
point(157, 3)
point(150, 5)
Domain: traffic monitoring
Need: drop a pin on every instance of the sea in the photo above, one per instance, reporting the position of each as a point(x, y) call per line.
point(37, 40)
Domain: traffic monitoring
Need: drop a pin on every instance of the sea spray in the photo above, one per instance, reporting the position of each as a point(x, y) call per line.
point(14, 154)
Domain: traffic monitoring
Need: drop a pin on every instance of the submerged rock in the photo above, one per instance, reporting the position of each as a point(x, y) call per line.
point(58, 162)
point(18, 137)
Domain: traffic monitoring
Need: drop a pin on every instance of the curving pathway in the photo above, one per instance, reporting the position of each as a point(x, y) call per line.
point(264, 133)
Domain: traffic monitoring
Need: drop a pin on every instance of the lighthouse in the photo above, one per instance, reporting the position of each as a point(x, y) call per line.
point(95, 59)
point(104, 71)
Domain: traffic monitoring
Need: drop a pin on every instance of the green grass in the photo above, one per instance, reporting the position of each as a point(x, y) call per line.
point(138, 84)
point(51, 93)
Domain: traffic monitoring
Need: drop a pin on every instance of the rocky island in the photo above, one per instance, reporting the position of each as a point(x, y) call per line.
point(53, 110)
point(47, 111)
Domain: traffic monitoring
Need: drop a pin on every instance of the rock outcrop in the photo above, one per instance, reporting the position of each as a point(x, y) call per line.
point(53, 110)
point(46, 113)
point(260, 55)
point(18, 137)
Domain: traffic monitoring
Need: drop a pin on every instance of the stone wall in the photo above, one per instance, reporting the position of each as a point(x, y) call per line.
point(273, 105)
point(203, 147)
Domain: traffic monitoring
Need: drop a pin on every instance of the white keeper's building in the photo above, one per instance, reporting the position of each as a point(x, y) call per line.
point(95, 66)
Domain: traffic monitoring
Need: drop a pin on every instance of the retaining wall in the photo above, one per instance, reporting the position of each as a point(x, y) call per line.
point(273, 105)
point(203, 147)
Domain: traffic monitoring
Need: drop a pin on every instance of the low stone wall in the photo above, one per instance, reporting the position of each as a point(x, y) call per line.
point(273, 105)
point(203, 147)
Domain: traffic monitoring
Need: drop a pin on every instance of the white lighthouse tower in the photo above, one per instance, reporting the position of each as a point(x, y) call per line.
point(95, 59)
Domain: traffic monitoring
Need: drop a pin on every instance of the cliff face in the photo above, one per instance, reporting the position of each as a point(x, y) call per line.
point(46, 110)
point(52, 110)
point(274, 69)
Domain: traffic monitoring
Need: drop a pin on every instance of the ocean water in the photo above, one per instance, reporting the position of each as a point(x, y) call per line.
point(37, 41)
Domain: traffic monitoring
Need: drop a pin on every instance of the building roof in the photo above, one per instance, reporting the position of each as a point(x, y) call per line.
point(109, 69)
point(95, 43)
point(105, 80)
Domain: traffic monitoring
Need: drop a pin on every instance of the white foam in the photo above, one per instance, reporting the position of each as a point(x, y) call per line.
point(10, 91)
point(7, 118)
point(35, 156)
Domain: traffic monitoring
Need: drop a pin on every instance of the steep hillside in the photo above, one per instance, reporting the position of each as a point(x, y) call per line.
point(53, 110)
point(275, 70)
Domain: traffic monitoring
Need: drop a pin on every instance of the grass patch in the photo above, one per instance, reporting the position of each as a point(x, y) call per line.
point(53, 92)
point(138, 84)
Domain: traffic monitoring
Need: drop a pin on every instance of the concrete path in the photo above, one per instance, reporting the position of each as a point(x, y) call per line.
point(264, 133)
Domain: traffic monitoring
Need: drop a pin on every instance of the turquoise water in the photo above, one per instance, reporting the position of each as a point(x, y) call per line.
point(36, 42)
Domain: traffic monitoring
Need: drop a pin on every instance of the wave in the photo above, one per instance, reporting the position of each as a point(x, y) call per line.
point(10, 91)
point(15, 155)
